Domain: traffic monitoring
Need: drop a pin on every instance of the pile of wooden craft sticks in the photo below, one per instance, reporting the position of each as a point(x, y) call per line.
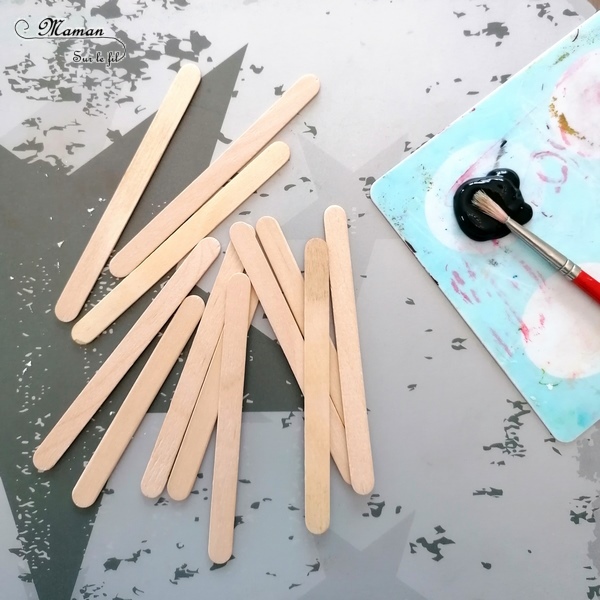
point(258, 266)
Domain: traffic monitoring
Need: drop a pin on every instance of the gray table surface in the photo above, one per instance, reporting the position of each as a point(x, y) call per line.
point(473, 498)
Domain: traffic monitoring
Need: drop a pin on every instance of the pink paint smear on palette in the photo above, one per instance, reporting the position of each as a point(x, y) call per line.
point(544, 123)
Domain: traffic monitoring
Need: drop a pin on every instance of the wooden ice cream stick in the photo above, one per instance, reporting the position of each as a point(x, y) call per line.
point(237, 154)
point(202, 423)
point(286, 330)
point(138, 401)
point(316, 387)
point(229, 423)
point(186, 237)
point(120, 361)
point(346, 333)
point(129, 191)
point(118, 300)
point(190, 381)
point(290, 279)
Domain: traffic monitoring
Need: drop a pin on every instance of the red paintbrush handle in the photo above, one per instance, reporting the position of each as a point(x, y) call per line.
point(588, 284)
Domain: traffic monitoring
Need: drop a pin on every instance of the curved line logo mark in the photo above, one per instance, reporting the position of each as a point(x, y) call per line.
point(55, 29)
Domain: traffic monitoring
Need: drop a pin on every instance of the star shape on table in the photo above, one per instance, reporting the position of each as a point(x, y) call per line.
point(355, 574)
point(42, 369)
point(330, 182)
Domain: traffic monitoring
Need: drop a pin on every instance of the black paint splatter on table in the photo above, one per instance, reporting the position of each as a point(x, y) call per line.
point(512, 445)
point(434, 546)
point(183, 572)
point(492, 492)
point(112, 564)
point(584, 509)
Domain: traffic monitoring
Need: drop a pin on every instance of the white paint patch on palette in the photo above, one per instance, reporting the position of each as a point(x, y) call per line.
point(574, 106)
point(562, 324)
point(481, 157)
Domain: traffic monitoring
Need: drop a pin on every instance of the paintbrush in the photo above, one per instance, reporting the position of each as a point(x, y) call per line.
point(565, 266)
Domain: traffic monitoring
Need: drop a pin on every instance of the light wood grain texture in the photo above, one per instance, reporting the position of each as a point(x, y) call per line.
point(190, 381)
point(129, 191)
point(179, 244)
point(346, 334)
point(238, 153)
point(229, 422)
point(120, 361)
point(316, 387)
point(202, 423)
point(288, 334)
point(138, 401)
point(118, 300)
point(290, 279)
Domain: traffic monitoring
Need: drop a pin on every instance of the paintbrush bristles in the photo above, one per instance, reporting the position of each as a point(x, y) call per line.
point(486, 205)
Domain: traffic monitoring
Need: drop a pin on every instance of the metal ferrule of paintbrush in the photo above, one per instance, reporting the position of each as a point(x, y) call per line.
point(564, 265)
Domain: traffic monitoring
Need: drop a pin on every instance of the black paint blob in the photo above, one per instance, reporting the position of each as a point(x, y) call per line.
point(502, 186)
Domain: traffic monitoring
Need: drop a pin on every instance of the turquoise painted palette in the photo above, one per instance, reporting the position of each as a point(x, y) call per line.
point(544, 123)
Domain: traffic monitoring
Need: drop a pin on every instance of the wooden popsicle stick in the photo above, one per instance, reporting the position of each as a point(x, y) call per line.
point(118, 300)
point(290, 279)
point(186, 237)
point(285, 327)
point(238, 153)
point(346, 333)
point(120, 361)
point(190, 381)
point(138, 401)
point(229, 422)
point(316, 387)
point(337, 442)
point(202, 423)
point(127, 195)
